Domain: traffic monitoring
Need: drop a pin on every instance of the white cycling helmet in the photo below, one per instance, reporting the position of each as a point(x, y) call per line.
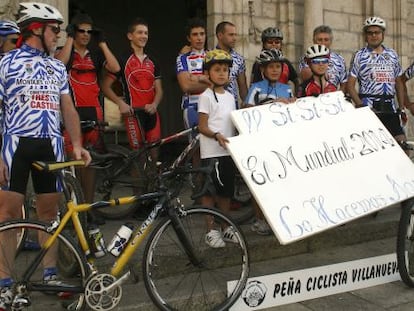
point(374, 21)
point(37, 12)
point(8, 28)
point(317, 50)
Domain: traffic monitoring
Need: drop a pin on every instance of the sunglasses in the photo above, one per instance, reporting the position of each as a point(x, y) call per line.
point(273, 41)
point(55, 29)
point(88, 31)
point(320, 61)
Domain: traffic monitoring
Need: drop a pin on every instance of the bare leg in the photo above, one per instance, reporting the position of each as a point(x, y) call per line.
point(46, 207)
point(10, 208)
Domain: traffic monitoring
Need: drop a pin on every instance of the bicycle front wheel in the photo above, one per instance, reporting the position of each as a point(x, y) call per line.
point(405, 243)
point(30, 285)
point(176, 282)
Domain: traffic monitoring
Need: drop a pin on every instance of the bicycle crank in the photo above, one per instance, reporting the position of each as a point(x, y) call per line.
point(103, 291)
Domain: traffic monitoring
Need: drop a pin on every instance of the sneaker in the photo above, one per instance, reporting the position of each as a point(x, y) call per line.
point(261, 227)
point(6, 297)
point(53, 280)
point(214, 239)
point(230, 236)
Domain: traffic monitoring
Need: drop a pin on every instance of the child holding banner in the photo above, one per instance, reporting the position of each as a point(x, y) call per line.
point(214, 109)
point(317, 57)
point(266, 91)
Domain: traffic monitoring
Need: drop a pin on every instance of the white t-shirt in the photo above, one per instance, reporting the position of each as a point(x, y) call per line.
point(218, 121)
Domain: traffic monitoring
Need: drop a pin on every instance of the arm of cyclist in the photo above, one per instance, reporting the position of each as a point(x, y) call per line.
point(152, 108)
point(350, 86)
point(206, 131)
point(106, 87)
point(193, 84)
point(63, 54)
point(112, 64)
point(401, 91)
point(242, 84)
point(3, 170)
point(72, 125)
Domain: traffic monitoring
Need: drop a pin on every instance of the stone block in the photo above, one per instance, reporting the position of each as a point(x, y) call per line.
point(349, 7)
point(336, 20)
point(384, 9)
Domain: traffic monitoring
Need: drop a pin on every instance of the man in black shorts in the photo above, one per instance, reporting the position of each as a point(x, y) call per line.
point(34, 94)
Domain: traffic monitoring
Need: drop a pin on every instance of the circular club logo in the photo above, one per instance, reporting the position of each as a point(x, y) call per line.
point(254, 293)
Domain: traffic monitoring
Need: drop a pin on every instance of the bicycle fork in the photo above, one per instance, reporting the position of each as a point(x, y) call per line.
point(183, 236)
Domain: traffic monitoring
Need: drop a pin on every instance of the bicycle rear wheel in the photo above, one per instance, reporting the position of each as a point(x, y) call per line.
point(174, 283)
point(131, 181)
point(405, 243)
point(33, 287)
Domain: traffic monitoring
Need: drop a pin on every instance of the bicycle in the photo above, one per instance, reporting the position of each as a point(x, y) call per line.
point(122, 168)
point(176, 262)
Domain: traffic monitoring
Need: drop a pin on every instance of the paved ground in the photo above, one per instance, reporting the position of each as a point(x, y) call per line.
point(364, 238)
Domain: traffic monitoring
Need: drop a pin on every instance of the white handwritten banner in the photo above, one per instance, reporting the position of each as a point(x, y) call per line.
point(293, 286)
point(316, 175)
point(264, 117)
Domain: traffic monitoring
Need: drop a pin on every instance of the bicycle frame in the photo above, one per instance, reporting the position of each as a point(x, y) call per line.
point(72, 214)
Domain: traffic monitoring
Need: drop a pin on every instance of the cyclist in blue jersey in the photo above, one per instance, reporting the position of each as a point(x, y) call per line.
point(9, 33)
point(34, 94)
point(377, 70)
point(269, 89)
point(189, 68)
point(337, 73)
point(226, 36)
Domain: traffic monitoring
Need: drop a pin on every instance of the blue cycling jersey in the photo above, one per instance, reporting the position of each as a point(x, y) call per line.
point(191, 62)
point(262, 91)
point(31, 84)
point(376, 74)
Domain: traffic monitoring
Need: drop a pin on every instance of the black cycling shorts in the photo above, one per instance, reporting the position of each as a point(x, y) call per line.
point(222, 176)
point(29, 150)
point(392, 123)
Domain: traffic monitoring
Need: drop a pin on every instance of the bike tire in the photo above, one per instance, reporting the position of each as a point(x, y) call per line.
point(173, 283)
point(33, 288)
point(66, 264)
point(405, 243)
point(133, 181)
point(22, 235)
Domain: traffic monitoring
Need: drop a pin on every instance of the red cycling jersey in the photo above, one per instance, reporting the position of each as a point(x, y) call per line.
point(311, 88)
point(138, 81)
point(84, 81)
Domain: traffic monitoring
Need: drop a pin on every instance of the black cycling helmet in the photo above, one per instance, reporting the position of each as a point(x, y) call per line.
point(271, 32)
point(270, 56)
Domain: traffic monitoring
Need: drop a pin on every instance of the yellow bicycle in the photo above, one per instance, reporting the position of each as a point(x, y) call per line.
point(180, 271)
